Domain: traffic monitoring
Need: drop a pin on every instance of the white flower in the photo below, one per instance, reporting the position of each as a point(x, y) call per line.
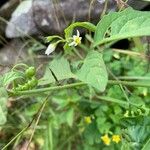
point(101, 1)
point(76, 39)
point(50, 48)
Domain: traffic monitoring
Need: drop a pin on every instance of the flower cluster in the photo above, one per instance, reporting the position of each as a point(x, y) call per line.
point(76, 40)
point(107, 140)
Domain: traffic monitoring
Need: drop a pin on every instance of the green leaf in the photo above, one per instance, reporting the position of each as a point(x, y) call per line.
point(61, 69)
point(9, 77)
point(69, 30)
point(139, 134)
point(120, 25)
point(125, 146)
point(93, 71)
point(91, 134)
point(147, 145)
point(3, 105)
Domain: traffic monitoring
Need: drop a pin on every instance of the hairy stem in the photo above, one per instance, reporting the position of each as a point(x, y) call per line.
point(78, 84)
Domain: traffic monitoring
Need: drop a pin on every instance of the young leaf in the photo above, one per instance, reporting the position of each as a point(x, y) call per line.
point(93, 71)
point(147, 145)
point(120, 25)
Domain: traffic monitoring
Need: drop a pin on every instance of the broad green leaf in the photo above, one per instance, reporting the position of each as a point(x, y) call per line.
point(147, 145)
point(120, 25)
point(91, 134)
point(9, 77)
point(69, 30)
point(3, 107)
point(60, 68)
point(139, 134)
point(93, 71)
point(125, 146)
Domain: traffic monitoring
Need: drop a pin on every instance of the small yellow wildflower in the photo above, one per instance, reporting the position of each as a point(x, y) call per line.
point(116, 138)
point(76, 39)
point(87, 120)
point(106, 139)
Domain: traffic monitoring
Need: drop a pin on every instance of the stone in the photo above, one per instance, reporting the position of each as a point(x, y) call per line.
point(5, 13)
point(36, 17)
point(21, 23)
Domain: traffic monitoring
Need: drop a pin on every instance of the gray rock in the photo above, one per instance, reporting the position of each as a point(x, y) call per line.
point(21, 22)
point(49, 16)
point(33, 17)
point(5, 14)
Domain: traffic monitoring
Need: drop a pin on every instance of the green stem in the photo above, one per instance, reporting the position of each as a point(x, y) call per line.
point(20, 64)
point(104, 9)
point(109, 99)
point(77, 53)
point(39, 91)
point(14, 138)
point(127, 83)
point(48, 89)
point(37, 116)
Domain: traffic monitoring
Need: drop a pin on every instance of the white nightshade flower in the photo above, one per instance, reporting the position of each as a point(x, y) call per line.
point(76, 39)
point(50, 48)
point(101, 1)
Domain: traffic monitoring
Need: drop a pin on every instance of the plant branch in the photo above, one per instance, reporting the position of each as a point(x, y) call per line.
point(78, 84)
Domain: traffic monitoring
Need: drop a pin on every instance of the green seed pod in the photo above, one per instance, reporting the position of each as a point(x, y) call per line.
point(25, 87)
point(30, 72)
point(19, 88)
point(33, 82)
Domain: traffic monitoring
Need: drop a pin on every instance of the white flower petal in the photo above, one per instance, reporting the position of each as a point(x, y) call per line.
point(75, 44)
point(80, 38)
point(72, 43)
point(101, 1)
point(78, 33)
point(74, 37)
point(50, 49)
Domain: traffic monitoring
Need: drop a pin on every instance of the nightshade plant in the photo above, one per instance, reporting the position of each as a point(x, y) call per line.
point(87, 105)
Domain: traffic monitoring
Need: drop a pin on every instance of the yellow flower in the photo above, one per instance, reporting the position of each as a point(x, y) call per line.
point(106, 139)
point(76, 39)
point(116, 138)
point(87, 120)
